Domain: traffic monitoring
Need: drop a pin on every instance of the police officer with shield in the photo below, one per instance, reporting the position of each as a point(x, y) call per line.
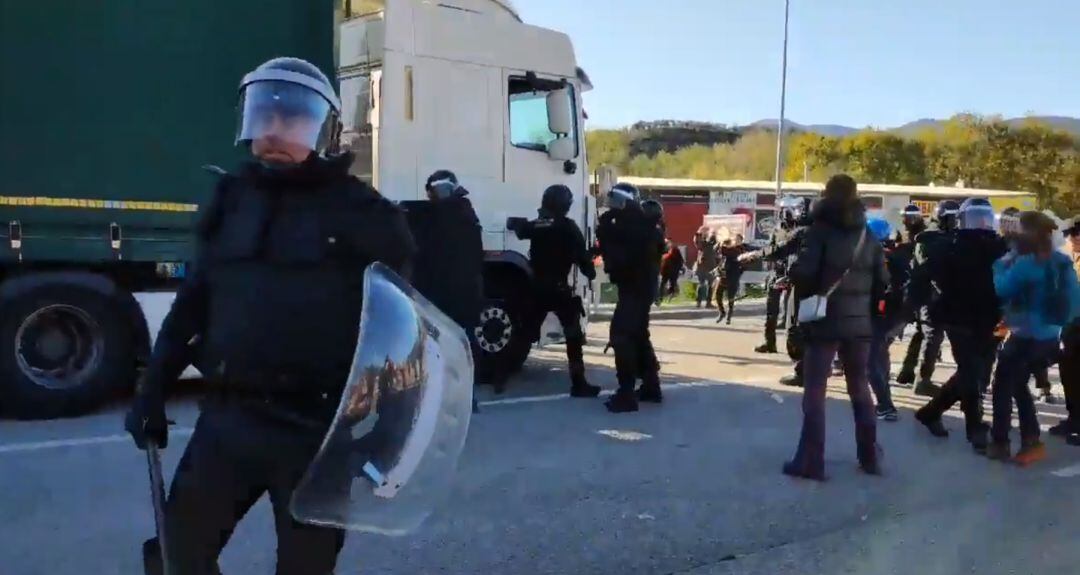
point(270, 314)
point(629, 244)
point(556, 245)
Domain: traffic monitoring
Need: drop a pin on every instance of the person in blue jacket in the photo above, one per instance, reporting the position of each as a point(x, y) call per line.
point(1040, 294)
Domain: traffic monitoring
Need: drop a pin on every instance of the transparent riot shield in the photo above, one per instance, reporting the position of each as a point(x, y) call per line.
point(389, 456)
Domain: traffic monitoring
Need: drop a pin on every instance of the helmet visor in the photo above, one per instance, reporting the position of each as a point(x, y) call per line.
point(285, 111)
point(977, 217)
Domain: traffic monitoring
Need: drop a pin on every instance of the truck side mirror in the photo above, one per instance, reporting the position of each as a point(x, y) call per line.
point(562, 149)
point(560, 112)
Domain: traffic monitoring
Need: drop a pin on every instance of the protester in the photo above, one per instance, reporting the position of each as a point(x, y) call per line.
point(1041, 294)
point(888, 321)
point(705, 267)
point(839, 262)
point(730, 251)
point(671, 267)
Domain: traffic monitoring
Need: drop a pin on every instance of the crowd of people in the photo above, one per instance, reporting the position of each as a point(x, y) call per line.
point(997, 288)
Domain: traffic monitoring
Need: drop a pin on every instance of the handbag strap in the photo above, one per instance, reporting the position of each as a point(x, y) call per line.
point(854, 257)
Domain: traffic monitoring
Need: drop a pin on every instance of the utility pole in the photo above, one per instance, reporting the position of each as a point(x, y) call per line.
point(783, 101)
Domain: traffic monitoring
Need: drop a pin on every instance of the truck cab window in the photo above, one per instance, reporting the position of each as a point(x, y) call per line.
point(529, 116)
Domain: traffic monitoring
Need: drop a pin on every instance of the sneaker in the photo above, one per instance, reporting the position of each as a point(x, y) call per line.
point(887, 414)
point(1073, 439)
point(927, 389)
point(934, 425)
point(765, 348)
point(999, 451)
point(1031, 452)
point(650, 394)
point(585, 390)
point(621, 402)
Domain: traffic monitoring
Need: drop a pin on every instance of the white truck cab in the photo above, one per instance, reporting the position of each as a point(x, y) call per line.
point(465, 85)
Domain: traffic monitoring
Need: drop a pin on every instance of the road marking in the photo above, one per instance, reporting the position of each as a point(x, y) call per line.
point(61, 443)
point(624, 435)
point(605, 393)
point(1070, 471)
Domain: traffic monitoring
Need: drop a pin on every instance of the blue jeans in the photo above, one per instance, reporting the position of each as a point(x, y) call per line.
point(879, 366)
point(1018, 359)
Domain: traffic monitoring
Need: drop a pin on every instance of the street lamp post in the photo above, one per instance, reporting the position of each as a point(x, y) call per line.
point(783, 101)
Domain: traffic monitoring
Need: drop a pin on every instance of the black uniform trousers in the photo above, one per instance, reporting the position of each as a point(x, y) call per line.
point(974, 353)
point(560, 300)
point(772, 310)
point(629, 334)
point(925, 344)
point(235, 455)
point(1070, 372)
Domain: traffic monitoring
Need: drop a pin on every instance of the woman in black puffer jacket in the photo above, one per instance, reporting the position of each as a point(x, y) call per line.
point(830, 249)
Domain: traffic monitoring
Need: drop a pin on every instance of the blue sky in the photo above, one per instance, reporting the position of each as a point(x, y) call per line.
point(853, 62)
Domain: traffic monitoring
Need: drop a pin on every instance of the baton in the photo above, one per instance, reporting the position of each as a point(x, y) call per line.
point(157, 497)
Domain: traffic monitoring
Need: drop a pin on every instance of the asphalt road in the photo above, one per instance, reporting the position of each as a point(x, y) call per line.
point(551, 485)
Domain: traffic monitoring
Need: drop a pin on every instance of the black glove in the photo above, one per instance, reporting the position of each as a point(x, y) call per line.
point(146, 421)
point(514, 224)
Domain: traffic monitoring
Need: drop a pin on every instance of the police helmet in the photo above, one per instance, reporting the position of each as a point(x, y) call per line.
point(976, 214)
point(653, 210)
point(289, 99)
point(557, 200)
point(1009, 222)
point(947, 212)
point(622, 194)
point(442, 184)
point(912, 215)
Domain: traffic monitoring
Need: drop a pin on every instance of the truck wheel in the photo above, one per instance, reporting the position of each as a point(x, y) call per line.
point(502, 335)
point(63, 351)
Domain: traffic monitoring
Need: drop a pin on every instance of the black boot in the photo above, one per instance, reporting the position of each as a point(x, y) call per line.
point(979, 438)
point(926, 388)
point(623, 401)
point(793, 380)
point(767, 347)
point(937, 429)
point(579, 387)
point(650, 391)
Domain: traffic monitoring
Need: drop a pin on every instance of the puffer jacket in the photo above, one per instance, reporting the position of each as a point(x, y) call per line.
point(828, 250)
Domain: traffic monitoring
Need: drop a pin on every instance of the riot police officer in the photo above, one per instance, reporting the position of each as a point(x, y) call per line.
point(556, 246)
point(654, 212)
point(783, 246)
point(628, 245)
point(926, 343)
point(270, 315)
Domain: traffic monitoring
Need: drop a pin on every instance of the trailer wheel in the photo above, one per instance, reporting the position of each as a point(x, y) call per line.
point(502, 333)
point(63, 351)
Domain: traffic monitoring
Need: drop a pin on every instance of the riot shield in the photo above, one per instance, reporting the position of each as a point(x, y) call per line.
point(390, 454)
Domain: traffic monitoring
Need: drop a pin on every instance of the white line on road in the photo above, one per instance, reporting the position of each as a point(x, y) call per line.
point(185, 431)
point(1070, 471)
point(59, 443)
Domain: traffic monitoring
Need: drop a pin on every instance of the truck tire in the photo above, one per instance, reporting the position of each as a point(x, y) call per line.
point(502, 334)
point(64, 350)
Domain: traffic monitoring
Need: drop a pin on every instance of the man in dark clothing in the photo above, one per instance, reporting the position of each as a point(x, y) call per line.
point(926, 343)
point(556, 246)
point(705, 266)
point(1070, 357)
point(841, 263)
point(270, 315)
point(654, 212)
point(887, 321)
point(733, 269)
point(449, 265)
point(966, 306)
point(628, 246)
